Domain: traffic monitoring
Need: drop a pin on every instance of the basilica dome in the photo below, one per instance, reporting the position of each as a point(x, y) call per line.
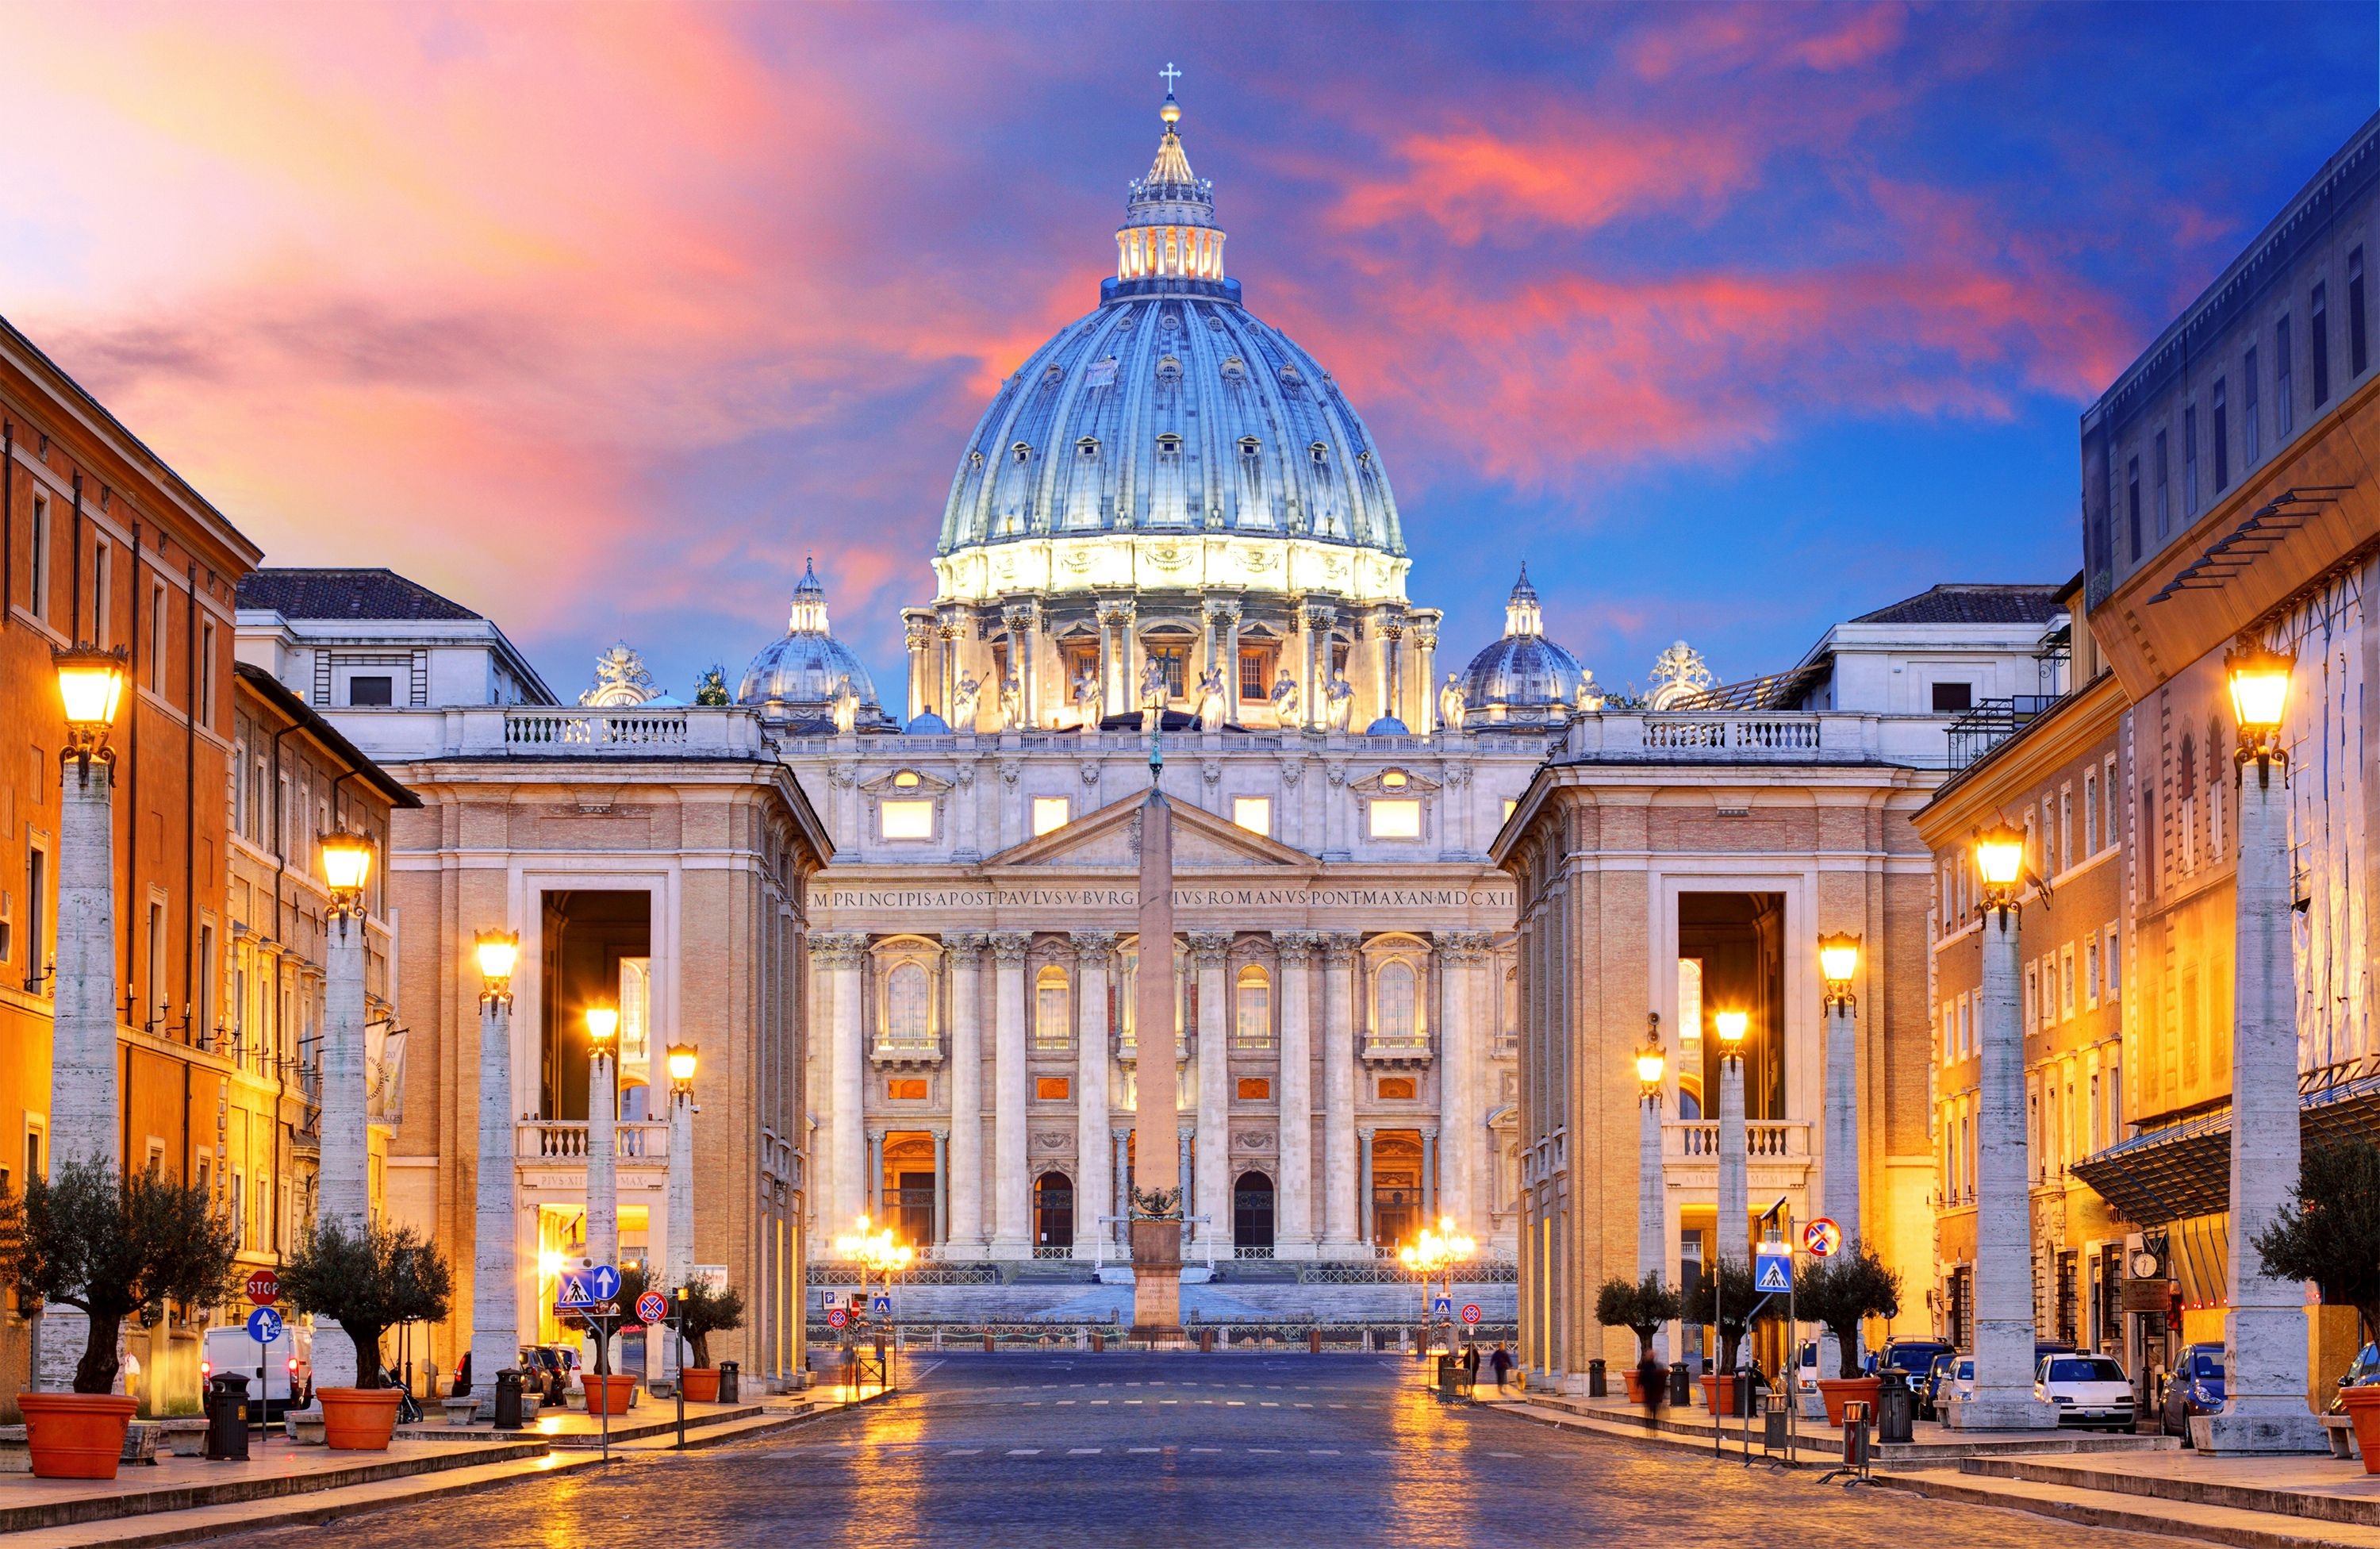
point(1524, 678)
point(1170, 410)
point(799, 675)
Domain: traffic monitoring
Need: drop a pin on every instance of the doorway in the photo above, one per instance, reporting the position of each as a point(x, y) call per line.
point(1054, 1214)
point(1252, 1215)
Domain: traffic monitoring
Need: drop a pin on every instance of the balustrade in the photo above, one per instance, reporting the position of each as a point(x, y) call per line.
point(566, 1140)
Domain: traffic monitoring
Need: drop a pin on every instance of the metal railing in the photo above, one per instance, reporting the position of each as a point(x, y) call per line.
point(1992, 723)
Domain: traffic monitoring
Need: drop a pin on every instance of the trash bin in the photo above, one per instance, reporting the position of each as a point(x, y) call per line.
point(730, 1373)
point(1449, 1371)
point(1597, 1384)
point(1776, 1422)
point(1896, 1406)
point(226, 1408)
point(1682, 1385)
point(508, 1400)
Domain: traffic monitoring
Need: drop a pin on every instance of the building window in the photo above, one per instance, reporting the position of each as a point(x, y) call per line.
point(1396, 818)
point(1397, 1089)
point(158, 619)
point(2285, 409)
point(1252, 1024)
point(2219, 426)
point(1049, 812)
point(2111, 969)
point(905, 1089)
point(2358, 357)
point(2066, 982)
point(1253, 814)
point(2107, 835)
point(908, 1004)
point(370, 691)
point(1393, 993)
point(100, 609)
point(2318, 340)
point(1174, 659)
point(1953, 698)
point(1053, 1022)
point(1255, 673)
point(2066, 829)
point(2032, 996)
point(2163, 493)
point(1050, 1088)
point(206, 985)
point(2133, 506)
point(1254, 1089)
point(2190, 459)
point(2090, 812)
point(2091, 972)
point(906, 819)
point(206, 711)
point(40, 554)
point(37, 920)
point(2250, 434)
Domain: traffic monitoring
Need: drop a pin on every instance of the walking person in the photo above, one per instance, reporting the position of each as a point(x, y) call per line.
point(1500, 1362)
point(1470, 1367)
point(1652, 1379)
point(462, 1388)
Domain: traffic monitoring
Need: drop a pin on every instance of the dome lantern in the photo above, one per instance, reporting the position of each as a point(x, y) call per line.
point(1169, 231)
point(801, 676)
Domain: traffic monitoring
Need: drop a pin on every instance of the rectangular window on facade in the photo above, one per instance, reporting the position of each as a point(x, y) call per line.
point(2090, 813)
point(905, 1089)
point(2190, 461)
point(2285, 407)
point(1255, 686)
point(204, 1011)
point(2163, 493)
point(2066, 829)
point(239, 1219)
point(2091, 972)
point(1967, 1011)
point(1049, 812)
point(2066, 982)
point(906, 819)
point(1396, 818)
point(2251, 445)
point(1050, 1088)
point(38, 553)
point(367, 693)
point(206, 713)
point(2358, 356)
point(1397, 1089)
point(2132, 504)
point(1253, 814)
point(157, 638)
point(1953, 698)
point(2110, 963)
point(101, 583)
point(2107, 835)
point(37, 917)
point(157, 949)
point(2219, 428)
point(1254, 1089)
point(2318, 344)
point(2032, 996)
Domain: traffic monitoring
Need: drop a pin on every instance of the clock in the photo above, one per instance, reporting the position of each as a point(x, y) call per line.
point(2144, 1266)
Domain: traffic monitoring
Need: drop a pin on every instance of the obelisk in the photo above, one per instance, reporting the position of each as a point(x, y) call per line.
point(1157, 1209)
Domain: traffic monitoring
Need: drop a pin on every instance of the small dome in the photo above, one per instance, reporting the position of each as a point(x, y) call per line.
point(1524, 678)
point(928, 724)
point(799, 675)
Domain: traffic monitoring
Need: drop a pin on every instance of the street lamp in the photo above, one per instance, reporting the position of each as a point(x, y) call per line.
point(1435, 1253)
point(602, 1134)
point(91, 690)
point(602, 1027)
point(1839, 957)
point(1734, 1186)
point(876, 1252)
point(495, 1286)
point(677, 1269)
point(1999, 861)
point(1652, 1225)
point(347, 864)
point(2259, 693)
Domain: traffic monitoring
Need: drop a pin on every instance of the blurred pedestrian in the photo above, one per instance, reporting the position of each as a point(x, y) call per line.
point(462, 1388)
point(1470, 1366)
point(1654, 1379)
point(1500, 1362)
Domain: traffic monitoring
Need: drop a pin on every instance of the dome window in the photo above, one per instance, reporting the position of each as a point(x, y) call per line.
point(1234, 368)
point(1169, 368)
point(1250, 447)
point(1053, 376)
point(1319, 453)
point(1020, 453)
point(975, 458)
point(1088, 448)
point(1169, 443)
point(1289, 375)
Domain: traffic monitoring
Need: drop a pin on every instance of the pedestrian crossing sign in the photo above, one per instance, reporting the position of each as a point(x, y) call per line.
point(1773, 1270)
point(881, 1306)
point(1441, 1307)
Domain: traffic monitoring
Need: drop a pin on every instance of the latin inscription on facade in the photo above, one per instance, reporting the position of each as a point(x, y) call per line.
point(825, 897)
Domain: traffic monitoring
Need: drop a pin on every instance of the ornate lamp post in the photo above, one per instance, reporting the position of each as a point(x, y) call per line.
point(496, 1280)
point(1838, 961)
point(876, 1252)
point(1652, 1234)
point(1734, 1187)
point(1435, 1253)
point(2003, 1396)
point(2264, 1356)
point(345, 1168)
point(678, 1271)
point(603, 1136)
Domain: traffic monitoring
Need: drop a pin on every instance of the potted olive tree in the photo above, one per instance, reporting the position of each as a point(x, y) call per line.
point(118, 1249)
point(2329, 1233)
point(1843, 1292)
point(703, 1311)
point(1725, 1302)
point(1642, 1306)
point(369, 1281)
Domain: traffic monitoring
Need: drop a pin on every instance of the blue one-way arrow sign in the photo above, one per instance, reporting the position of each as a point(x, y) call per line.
point(264, 1326)
point(604, 1281)
point(1773, 1270)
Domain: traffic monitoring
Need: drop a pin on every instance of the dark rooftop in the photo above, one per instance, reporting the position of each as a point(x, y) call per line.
point(1969, 602)
point(345, 594)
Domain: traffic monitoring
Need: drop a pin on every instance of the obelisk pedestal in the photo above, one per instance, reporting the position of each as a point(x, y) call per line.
point(1157, 1173)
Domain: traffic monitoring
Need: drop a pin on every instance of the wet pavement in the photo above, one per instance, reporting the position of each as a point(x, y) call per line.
point(1181, 1451)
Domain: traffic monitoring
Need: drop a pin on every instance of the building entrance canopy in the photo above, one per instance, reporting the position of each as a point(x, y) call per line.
point(2184, 1170)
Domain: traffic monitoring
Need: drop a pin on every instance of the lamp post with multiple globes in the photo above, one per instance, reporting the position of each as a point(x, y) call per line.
point(1435, 1254)
point(2264, 1407)
point(495, 1281)
point(877, 1252)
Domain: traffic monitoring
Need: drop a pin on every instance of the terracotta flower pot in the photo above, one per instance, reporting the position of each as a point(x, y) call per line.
point(1635, 1381)
point(609, 1396)
point(1718, 1393)
point(358, 1419)
point(76, 1436)
point(1837, 1391)
point(2363, 1405)
point(701, 1383)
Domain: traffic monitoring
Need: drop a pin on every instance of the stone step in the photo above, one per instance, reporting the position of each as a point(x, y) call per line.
point(2103, 1509)
point(650, 1416)
point(2326, 1495)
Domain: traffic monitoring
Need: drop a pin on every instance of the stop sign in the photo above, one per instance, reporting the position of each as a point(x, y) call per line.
point(264, 1288)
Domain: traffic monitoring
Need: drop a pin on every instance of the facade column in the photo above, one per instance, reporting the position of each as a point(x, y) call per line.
point(1459, 1112)
point(2264, 1407)
point(1339, 1222)
point(941, 1187)
point(1421, 693)
point(838, 955)
point(1185, 1165)
point(964, 1184)
point(1391, 627)
point(918, 631)
point(1092, 1159)
point(1120, 1233)
point(1429, 1156)
point(1318, 619)
point(946, 670)
point(2004, 1339)
point(677, 1262)
point(1294, 1197)
point(1208, 951)
point(1012, 1189)
point(1363, 1183)
point(874, 1208)
point(495, 1263)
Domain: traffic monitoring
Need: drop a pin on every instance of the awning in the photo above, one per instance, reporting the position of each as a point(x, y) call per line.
point(2184, 1170)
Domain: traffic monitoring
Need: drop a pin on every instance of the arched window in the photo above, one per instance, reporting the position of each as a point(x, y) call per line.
point(1052, 1016)
point(1395, 1008)
point(908, 1004)
point(1252, 1217)
point(1253, 1012)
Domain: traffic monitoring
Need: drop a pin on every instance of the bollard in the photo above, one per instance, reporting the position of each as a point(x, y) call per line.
point(1206, 1341)
point(508, 1400)
point(988, 1345)
point(1313, 1341)
point(1597, 1384)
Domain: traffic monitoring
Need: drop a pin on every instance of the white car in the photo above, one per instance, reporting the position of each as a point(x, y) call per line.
point(2087, 1389)
point(1960, 1384)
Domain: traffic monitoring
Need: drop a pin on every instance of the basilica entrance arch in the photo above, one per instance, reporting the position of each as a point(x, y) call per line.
point(1252, 1214)
point(1053, 1215)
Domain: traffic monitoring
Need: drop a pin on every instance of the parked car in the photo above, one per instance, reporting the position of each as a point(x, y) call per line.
point(1911, 1357)
point(2194, 1386)
point(555, 1368)
point(230, 1352)
point(1805, 1373)
point(2360, 1373)
point(1930, 1391)
point(1959, 1383)
point(2089, 1390)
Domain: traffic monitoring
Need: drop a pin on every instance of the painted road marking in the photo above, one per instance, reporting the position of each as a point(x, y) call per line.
point(1082, 1452)
point(965, 1452)
point(1025, 1452)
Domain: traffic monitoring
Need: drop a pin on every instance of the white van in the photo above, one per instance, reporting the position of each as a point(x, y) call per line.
point(230, 1351)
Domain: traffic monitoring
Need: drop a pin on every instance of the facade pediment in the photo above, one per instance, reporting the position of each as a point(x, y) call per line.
point(1111, 838)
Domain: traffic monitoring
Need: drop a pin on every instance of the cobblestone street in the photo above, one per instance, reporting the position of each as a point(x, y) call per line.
point(1183, 1451)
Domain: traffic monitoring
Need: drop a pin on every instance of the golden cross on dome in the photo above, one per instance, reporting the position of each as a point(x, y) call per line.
point(1170, 75)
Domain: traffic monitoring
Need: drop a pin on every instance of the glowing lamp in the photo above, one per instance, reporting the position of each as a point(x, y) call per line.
point(90, 689)
point(681, 1067)
point(2259, 693)
point(497, 952)
point(1839, 957)
point(346, 862)
point(1731, 1027)
point(1999, 856)
point(602, 1027)
point(1650, 1064)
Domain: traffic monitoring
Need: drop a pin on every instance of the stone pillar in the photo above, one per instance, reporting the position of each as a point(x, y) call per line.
point(946, 674)
point(1429, 1156)
point(1652, 1236)
point(83, 1115)
point(1840, 1176)
point(1120, 1232)
point(1422, 691)
point(1364, 1184)
point(1208, 951)
point(1734, 1192)
point(1318, 619)
point(2004, 1324)
point(1091, 1055)
point(964, 1184)
point(1186, 1166)
point(496, 1256)
point(838, 955)
point(1391, 627)
point(941, 1233)
point(1294, 1201)
point(874, 1207)
point(2264, 1407)
point(1341, 1226)
point(603, 1158)
point(1459, 1112)
point(345, 1180)
point(1012, 1180)
point(918, 631)
point(1118, 684)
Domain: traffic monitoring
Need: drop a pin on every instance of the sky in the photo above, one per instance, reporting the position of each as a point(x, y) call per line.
point(1733, 321)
